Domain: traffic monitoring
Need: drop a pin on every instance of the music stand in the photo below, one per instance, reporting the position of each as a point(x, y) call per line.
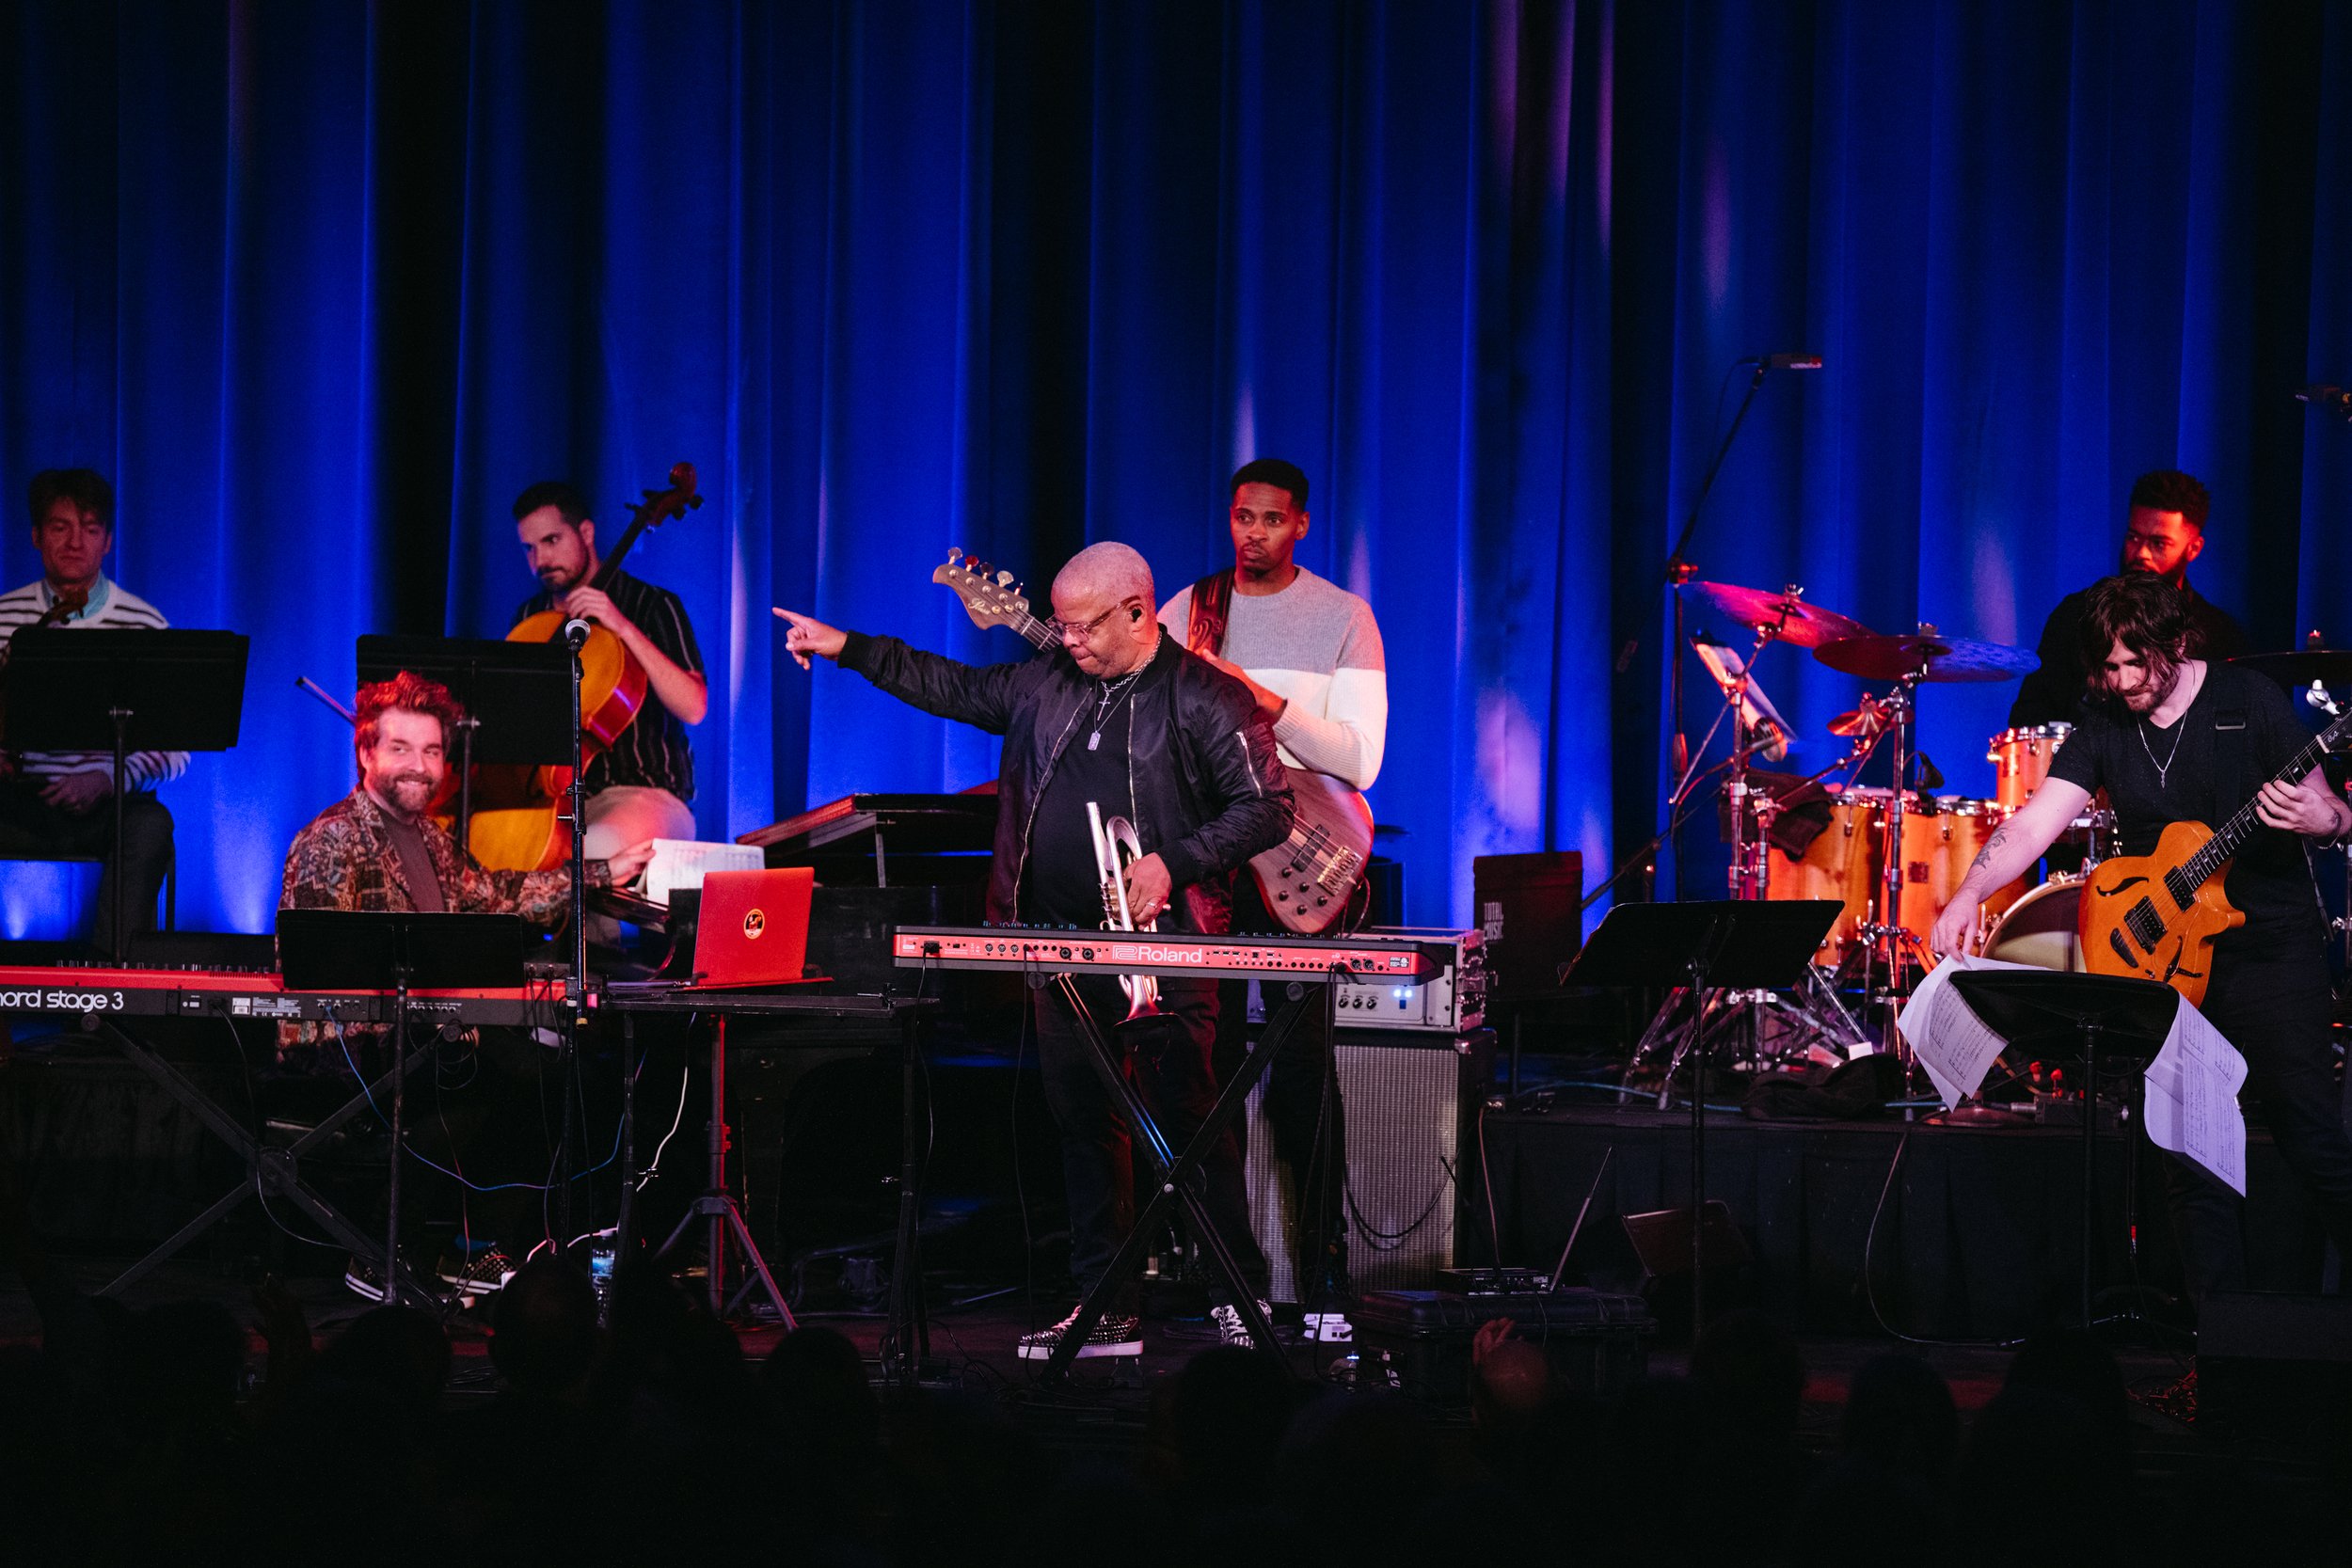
point(124, 689)
point(517, 698)
point(1745, 944)
point(2126, 1015)
point(368, 950)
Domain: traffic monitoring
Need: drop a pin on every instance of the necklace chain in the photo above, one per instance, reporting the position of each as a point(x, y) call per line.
point(1112, 696)
point(2165, 768)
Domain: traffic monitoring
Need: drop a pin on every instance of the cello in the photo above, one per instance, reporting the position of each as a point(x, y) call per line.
point(518, 821)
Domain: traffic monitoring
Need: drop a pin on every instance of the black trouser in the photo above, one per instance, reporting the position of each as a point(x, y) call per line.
point(2270, 999)
point(31, 828)
point(1166, 1058)
point(1302, 1109)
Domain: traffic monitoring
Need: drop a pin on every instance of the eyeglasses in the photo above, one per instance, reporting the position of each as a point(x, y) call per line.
point(1084, 629)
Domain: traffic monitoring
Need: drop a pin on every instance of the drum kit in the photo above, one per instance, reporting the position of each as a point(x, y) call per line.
point(1892, 857)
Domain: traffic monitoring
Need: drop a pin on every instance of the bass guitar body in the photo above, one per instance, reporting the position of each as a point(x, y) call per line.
point(2141, 917)
point(1310, 880)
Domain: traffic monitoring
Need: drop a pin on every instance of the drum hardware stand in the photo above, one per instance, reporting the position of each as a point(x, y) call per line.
point(1886, 927)
point(1744, 1011)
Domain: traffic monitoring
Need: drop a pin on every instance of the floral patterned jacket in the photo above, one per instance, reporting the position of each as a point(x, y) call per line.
point(344, 860)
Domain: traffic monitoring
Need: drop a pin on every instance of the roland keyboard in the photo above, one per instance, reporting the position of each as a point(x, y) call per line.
point(1055, 950)
point(75, 991)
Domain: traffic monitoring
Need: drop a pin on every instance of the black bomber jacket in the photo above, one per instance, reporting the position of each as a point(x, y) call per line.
point(1206, 789)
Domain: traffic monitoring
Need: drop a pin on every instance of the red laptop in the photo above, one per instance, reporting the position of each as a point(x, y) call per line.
point(753, 928)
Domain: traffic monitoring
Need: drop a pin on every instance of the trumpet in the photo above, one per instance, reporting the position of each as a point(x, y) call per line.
point(1116, 848)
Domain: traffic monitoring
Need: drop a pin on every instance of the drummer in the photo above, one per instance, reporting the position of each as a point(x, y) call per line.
point(2164, 531)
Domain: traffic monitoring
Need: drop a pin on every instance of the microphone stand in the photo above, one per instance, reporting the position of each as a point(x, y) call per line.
point(1681, 570)
point(575, 983)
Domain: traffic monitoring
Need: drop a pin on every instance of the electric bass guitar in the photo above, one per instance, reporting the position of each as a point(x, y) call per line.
point(1310, 880)
point(2155, 917)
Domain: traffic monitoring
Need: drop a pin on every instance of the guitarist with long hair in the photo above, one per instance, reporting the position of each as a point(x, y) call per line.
point(2175, 739)
point(1309, 652)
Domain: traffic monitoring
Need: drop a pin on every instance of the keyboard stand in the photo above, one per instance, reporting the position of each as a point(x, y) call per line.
point(1176, 1171)
point(270, 1172)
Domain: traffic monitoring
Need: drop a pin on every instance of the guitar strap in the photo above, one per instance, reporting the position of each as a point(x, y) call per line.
point(1211, 608)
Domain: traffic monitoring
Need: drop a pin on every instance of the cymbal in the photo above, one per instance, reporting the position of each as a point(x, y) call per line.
point(1944, 659)
point(2302, 666)
point(1803, 624)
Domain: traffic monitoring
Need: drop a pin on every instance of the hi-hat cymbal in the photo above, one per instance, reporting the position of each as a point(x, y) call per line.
point(2302, 666)
point(1803, 624)
point(1930, 655)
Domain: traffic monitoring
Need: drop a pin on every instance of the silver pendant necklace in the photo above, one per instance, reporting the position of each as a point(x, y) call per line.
point(1112, 696)
point(2165, 768)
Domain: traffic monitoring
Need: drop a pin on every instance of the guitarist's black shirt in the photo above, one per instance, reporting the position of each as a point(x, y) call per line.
point(2270, 880)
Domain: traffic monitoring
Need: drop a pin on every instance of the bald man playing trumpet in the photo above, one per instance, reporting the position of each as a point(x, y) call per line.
point(1118, 715)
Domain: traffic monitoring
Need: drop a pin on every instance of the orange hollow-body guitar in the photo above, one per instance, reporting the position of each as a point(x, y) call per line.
point(2155, 917)
point(2141, 916)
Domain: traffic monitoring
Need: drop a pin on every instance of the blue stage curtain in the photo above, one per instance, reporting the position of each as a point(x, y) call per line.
point(323, 286)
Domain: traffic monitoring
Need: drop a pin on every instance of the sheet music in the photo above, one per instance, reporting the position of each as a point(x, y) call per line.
point(682, 863)
point(1950, 1041)
point(2191, 1097)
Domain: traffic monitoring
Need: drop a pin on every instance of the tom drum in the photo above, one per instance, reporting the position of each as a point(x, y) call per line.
point(2021, 760)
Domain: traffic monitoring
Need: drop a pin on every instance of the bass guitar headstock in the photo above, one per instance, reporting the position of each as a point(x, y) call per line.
point(992, 598)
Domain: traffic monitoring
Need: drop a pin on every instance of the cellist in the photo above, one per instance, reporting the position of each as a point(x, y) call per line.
point(639, 787)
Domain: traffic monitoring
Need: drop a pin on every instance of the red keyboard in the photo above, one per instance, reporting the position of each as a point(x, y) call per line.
point(1053, 951)
point(232, 993)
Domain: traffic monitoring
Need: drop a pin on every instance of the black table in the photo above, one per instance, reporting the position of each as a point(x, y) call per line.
point(905, 1334)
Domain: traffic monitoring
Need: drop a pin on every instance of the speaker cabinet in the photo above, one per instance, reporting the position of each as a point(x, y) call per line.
point(1412, 1103)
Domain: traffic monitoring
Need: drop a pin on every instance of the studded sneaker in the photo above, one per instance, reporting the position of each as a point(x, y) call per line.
point(1112, 1335)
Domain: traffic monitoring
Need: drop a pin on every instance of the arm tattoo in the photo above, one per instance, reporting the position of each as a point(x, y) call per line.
point(1984, 856)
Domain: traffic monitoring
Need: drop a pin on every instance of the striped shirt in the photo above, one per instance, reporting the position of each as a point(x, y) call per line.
point(1315, 644)
point(652, 751)
point(111, 606)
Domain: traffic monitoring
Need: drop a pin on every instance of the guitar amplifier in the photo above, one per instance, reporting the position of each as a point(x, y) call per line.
point(1412, 1102)
point(1452, 1003)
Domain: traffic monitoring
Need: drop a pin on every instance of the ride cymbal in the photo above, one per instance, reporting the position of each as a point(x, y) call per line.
point(1928, 656)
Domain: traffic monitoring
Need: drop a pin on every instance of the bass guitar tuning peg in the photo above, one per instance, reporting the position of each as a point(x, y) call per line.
point(1004, 580)
point(955, 553)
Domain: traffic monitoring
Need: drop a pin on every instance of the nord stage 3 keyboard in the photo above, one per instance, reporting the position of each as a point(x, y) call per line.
point(1055, 950)
point(76, 991)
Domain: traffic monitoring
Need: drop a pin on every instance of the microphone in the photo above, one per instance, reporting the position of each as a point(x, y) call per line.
point(2327, 400)
point(575, 634)
point(1756, 709)
point(1797, 361)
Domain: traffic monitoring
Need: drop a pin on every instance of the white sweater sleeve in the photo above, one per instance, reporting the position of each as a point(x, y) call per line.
point(1349, 736)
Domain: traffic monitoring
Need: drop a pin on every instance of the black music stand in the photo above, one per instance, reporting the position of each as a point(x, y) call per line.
point(1175, 1171)
point(2129, 1017)
point(124, 689)
point(354, 950)
point(1745, 944)
point(516, 696)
